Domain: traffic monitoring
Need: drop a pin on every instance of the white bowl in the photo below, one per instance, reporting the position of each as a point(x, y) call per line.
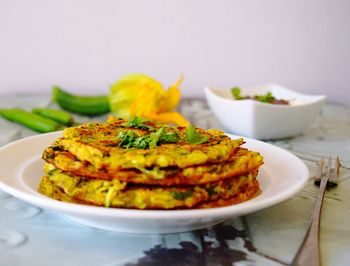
point(259, 120)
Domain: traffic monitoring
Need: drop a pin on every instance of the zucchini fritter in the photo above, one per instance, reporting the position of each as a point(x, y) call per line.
point(144, 165)
point(102, 146)
point(242, 162)
point(115, 193)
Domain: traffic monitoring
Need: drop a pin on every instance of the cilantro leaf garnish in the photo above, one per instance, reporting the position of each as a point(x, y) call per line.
point(195, 137)
point(154, 137)
point(266, 98)
point(141, 143)
point(236, 93)
point(129, 139)
point(169, 137)
point(137, 122)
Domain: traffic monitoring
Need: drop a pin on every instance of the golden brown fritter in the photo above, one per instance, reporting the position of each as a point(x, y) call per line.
point(246, 192)
point(113, 193)
point(242, 162)
point(144, 165)
point(106, 145)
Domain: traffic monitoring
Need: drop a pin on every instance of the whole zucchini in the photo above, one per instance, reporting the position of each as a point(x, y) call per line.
point(85, 105)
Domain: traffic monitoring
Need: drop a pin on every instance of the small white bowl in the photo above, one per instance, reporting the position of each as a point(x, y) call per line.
point(259, 120)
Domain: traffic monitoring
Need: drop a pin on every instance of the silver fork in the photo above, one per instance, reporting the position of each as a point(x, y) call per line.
point(309, 251)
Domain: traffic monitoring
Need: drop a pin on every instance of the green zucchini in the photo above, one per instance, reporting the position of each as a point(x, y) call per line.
point(85, 105)
point(30, 120)
point(59, 116)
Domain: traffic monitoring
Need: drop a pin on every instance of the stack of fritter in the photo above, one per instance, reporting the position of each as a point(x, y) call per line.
point(144, 165)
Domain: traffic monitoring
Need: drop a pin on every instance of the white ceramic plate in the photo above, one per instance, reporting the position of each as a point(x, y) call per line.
point(281, 177)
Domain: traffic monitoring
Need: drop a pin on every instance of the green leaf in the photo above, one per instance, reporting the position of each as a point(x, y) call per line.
point(236, 93)
point(266, 98)
point(128, 139)
point(136, 122)
point(195, 137)
point(169, 137)
point(140, 143)
point(154, 137)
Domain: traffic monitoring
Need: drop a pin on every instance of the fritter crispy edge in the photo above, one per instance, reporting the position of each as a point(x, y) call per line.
point(119, 194)
point(98, 144)
point(242, 162)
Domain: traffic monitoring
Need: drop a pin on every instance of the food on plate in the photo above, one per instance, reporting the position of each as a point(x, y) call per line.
point(31, 120)
point(142, 164)
point(243, 161)
point(265, 98)
point(115, 193)
point(121, 145)
point(85, 105)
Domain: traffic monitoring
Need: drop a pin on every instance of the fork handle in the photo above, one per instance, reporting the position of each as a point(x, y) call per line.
point(309, 251)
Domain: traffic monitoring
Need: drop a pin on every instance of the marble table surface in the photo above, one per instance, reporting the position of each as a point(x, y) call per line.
point(33, 236)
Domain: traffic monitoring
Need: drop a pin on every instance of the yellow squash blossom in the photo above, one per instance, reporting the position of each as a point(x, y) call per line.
point(143, 96)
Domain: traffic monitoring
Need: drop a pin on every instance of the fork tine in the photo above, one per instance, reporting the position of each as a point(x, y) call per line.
point(329, 166)
point(334, 174)
point(318, 176)
point(337, 166)
point(334, 177)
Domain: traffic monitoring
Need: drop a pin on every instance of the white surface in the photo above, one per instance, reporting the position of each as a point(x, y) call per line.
point(258, 120)
point(281, 177)
point(84, 45)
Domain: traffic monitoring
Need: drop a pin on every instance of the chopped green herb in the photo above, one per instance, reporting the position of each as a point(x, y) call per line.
point(137, 122)
point(236, 93)
point(182, 195)
point(169, 137)
point(126, 138)
point(265, 98)
point(154, 137)
point(129, 139)
point(140, 143)
point(195, 137)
